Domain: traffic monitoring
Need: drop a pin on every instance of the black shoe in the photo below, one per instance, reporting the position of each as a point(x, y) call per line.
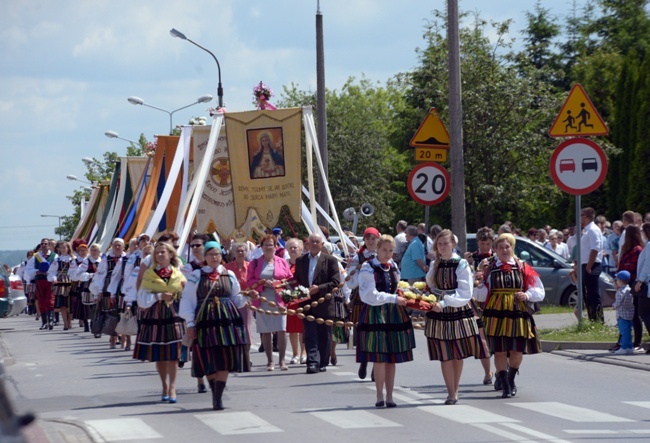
point(379, 404)
point(390, 404)
point(43, 326)
point(372, 374)
point(275, 349)
point(261, 348)
point(505, 383)
point(181, 363)
point(322, 369)
point(451, 401)
point(363, 370)
point(312, 369)
point(202, 389)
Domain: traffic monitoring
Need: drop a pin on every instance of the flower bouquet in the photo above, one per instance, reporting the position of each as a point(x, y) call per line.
point(417, 296)
point(262, 94)
point(150, 148)
point(293, 295)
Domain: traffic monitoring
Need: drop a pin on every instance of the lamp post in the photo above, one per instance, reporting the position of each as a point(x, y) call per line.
point(55, 216)
point(176, 33)
point(138, 101)
point(113, 134)
point(74, 178)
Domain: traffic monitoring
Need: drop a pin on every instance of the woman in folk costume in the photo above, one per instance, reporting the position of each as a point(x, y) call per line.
point(58, 274)
point(367, 252)
point(36, 272)
point(99, 286)
point(83, 274)
point(507, 285)
point(210, 305)
point(161, 329)
point(77, 309)
point(451, 329)
point(385, 330)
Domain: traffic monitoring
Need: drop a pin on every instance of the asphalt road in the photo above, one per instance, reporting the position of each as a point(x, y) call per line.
point(83, 391)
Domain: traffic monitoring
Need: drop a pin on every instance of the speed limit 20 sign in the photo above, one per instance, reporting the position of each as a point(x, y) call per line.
point(428, 183)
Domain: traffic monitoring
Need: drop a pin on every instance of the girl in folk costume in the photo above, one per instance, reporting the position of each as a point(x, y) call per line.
point(36, 272)
point(161, 329)
point(99, 286)
point(58, 274)
point(451, 329)
point(83, 274)
point(367, 252)
point(508, 285)
point(210, 305)
point(385, 330)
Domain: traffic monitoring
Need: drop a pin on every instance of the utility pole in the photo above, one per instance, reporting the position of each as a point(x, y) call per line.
point(321, 112)
point(458, 222)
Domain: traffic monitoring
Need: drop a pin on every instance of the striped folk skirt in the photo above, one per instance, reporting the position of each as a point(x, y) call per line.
point(160, 333)
point(356, 305)
point(454, 335)
point(62, 295)
point(509, 326)
point(340, 334)
point(385, 334)
point(220, 343)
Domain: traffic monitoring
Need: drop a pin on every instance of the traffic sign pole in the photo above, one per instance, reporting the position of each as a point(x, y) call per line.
point(578, 231)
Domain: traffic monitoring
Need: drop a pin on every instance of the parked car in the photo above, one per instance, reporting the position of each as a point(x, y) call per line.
point(553, 270)
point(12, 293)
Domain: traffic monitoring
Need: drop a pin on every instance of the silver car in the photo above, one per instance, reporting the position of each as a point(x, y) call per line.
point(12, 294)
point(553, 270)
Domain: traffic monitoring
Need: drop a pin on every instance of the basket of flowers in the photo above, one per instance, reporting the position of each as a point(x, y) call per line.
point(417, 296)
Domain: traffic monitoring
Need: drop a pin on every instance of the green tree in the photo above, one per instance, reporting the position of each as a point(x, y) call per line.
point(363, 165)
point(638, 198)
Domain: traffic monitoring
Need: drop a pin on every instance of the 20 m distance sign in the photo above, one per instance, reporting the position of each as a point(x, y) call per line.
point(428, 183)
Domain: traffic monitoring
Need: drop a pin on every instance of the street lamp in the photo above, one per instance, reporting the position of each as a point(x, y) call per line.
point(176, 33)
point(113, 134)
point(74, 177)
point(138, 101)
point(55, 216)
point(88, 161)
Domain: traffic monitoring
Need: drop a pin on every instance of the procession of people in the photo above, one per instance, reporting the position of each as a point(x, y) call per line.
point(194, 305)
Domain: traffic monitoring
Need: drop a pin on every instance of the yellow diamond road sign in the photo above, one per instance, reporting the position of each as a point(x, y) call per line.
point(431, 133)
point(578, 117)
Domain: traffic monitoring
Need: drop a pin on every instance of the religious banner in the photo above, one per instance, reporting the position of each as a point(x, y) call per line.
point(216, 211)
point(265, 160)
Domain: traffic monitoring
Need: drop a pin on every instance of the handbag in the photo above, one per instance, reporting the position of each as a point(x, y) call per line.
point(110, 323)
point(643, 292)
point(98, 324)
point(128, 325)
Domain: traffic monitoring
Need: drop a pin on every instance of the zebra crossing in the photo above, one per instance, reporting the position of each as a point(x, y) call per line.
point(509, 428)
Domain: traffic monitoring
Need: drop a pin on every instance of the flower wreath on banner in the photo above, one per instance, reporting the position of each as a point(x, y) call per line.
point(262, 93)
point(150, 148)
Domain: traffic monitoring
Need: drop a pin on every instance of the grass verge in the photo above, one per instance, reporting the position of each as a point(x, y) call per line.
point(554, 309)
point(588, 331)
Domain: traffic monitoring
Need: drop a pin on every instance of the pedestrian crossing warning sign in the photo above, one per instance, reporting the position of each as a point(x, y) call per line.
point(578, 117)
point(431, 133)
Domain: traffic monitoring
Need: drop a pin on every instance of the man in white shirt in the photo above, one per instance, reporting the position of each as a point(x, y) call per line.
point(400, 241)
point(591, 249)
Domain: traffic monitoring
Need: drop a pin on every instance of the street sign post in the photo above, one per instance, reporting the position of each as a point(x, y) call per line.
point(428, 183)
point(578, 166)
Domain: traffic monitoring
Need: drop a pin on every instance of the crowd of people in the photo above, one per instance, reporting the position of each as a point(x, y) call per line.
point(198, 305)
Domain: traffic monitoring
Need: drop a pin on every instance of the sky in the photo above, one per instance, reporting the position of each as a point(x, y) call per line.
point(68, 67)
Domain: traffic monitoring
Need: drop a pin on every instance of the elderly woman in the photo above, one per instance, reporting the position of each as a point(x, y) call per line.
point(385, 330)
point(161, 329)
point(272, 270)
point(239, 267)
point(295, 328)
point(210, 305)
point(508, 285)
point(451, 328)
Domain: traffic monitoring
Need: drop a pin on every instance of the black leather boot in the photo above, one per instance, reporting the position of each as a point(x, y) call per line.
point(50, 323)
point(218, 393)
point(505, 384)
point(363, 370)
point(511, 379)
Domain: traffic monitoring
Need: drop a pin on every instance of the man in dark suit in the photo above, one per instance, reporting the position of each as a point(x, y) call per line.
point(320, 273)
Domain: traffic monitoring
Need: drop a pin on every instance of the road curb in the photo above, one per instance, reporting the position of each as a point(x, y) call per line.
point(551, 345)
point(5, 356)
point(64, 431)
point(608, 360)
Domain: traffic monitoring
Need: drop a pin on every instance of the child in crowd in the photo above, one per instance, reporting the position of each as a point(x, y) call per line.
point(624, 312)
